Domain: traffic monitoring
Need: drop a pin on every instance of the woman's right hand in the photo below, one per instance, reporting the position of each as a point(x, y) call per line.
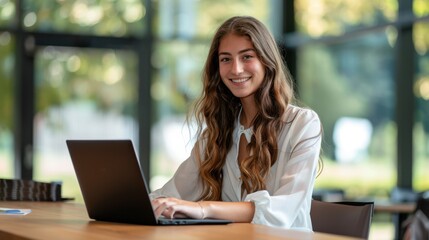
point(177, 208)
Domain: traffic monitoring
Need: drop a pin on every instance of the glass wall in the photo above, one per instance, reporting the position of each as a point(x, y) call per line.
point(81, 94)
point(347, 73)
point(7, 12)
point(359, 130)
point(421, 91)
point(317, 18)
point(82, 90)
point(7, 108)
point(103, 18)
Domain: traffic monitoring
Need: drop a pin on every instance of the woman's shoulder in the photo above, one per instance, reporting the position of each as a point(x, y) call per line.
point(301, 123)
point(301, 114)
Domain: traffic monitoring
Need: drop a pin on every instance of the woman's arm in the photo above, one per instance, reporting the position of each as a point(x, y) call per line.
point(176, 208)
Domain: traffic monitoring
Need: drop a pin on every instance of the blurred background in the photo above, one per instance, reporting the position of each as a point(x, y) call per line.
point(116, 69)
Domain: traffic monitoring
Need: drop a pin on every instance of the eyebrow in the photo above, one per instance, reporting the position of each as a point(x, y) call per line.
point(242, 51)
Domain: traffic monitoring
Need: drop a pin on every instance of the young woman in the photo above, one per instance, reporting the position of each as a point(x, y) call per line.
point(257, 154)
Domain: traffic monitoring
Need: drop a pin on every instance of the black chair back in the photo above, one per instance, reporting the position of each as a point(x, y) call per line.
point(342, 218)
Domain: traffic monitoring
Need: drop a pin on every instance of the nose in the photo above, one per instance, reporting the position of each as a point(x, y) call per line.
point(237, 67)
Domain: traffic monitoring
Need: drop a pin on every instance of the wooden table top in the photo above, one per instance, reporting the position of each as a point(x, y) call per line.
point(388, 207)
point(68, 220)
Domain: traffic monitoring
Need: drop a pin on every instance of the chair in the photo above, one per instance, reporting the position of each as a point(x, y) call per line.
point(29, 190)
point(401, 195)
point(351, 219)
point(423, 203)
point(417, 224)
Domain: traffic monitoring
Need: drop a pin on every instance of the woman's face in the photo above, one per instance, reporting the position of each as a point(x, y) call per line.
point(239, 66)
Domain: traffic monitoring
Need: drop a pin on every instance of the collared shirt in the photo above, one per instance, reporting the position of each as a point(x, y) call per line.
point(286, 201)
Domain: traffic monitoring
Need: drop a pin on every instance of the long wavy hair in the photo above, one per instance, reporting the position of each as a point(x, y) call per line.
point(216, 111)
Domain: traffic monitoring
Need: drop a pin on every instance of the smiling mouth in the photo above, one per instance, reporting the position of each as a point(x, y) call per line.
point(240, 80)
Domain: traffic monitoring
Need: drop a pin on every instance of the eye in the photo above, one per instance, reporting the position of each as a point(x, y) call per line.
point(247, 57)
point(224, 59)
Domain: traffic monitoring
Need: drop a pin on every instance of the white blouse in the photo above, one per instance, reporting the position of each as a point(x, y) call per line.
point(287, 200)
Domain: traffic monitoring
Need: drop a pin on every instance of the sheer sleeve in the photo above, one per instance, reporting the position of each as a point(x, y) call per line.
point(287, 200)
point(185, 183)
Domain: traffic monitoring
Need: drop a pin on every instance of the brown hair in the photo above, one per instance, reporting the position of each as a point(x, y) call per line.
point(217, 109)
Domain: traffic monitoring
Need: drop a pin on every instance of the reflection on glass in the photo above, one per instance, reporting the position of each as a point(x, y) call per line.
point(318, 18)
point(359, 130)
point(7, 12)
point(107, 18)
point(81, 94)
point(7, 66)
point(421, 91)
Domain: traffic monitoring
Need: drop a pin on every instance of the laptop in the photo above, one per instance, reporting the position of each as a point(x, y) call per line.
point(113, 186)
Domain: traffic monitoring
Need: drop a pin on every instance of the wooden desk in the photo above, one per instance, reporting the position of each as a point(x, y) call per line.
point(387, 207)
point(67, 220)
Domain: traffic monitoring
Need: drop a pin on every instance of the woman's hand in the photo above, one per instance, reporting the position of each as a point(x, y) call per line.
point(176, 208)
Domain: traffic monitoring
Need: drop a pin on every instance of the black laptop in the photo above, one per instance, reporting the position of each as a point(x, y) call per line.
point(113, 186)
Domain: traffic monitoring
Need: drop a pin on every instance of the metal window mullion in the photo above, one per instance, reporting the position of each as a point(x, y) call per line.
point(405, 105)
